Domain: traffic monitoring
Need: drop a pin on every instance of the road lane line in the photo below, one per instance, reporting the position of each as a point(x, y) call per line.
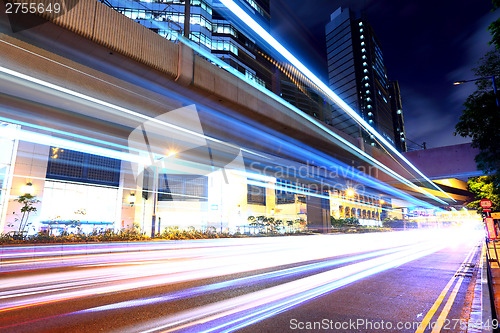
point(435, 306)
point(447, 307)
point(425, 322)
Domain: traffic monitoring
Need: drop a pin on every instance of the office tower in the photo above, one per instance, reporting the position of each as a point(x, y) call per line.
point(397, 116)
point(209, 28)
point(357, 74)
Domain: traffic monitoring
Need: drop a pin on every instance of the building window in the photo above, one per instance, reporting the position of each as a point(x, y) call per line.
point(224, 45)
point(282, 195)
point(182, 187)
point(71, 165)
point(256, 195)
point(226, 29)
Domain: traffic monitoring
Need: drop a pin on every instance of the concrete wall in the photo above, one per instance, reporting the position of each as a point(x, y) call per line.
point(455, 161)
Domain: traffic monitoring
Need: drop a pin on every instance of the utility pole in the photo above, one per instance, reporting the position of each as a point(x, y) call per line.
point(187, 17)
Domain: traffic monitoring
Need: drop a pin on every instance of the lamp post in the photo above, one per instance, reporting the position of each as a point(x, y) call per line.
point(492, 78)
point(170, 154)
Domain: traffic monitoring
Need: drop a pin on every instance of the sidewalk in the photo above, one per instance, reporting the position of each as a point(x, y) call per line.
point(490, 284)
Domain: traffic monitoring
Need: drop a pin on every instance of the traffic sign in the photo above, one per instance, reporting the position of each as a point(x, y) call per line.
point(490, 227)
point(486, 209)
point(485, 203)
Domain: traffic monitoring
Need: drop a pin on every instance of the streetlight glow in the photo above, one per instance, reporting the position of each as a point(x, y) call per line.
point(28, 188)
point(492, 78)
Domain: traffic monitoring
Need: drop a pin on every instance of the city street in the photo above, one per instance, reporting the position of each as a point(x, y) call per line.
point(352, 283)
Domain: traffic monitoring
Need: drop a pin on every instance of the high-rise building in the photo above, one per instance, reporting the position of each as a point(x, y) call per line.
point(397, 116)
point(209, 28)
point(357, 74)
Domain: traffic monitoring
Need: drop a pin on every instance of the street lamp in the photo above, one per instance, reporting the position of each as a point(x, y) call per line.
point(170, 154)
point(492, 78)
point(28, 189)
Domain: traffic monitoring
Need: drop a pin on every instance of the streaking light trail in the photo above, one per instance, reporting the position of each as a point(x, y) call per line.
point(297, 270)
point(358, 152)
point(245, 18)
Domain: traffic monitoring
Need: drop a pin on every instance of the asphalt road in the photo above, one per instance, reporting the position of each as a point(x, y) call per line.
point(378, 282)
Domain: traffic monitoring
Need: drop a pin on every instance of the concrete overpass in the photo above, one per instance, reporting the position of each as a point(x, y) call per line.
point(53, 74)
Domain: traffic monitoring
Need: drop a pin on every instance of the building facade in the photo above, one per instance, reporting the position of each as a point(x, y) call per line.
point(357, 74)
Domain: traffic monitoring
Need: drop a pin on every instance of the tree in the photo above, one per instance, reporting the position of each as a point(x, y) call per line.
point(484, 187)
point(28, 201)
point(494, 27)
point(481, 118)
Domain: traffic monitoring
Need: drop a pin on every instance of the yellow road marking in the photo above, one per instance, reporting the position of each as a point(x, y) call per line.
point(435, 306)
point(425, 322)
point(447, 307)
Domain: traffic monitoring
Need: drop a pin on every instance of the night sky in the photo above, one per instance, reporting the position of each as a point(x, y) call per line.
point(427, 46)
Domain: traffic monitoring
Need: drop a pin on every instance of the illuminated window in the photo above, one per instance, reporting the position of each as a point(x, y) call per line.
point(365, 71)
point(370, 114)
point(283, 196)
point(367, 84)
point(364, 57)
point(256, 195)
point(65, 164)
point(182, 187)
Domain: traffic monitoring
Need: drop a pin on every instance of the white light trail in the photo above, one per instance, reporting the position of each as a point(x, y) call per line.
point(245, 18)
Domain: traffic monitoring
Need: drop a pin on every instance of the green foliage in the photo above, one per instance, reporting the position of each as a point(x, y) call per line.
point(28, 203)
point(398, 224)
point(45, 237)
point(484, 187)
point(271, 225)
point(344, 222)
point(494, 27)
point(175, 233)
point(480, 119)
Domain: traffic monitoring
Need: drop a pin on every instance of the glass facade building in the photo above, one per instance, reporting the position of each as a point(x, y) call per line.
point(357, 74)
